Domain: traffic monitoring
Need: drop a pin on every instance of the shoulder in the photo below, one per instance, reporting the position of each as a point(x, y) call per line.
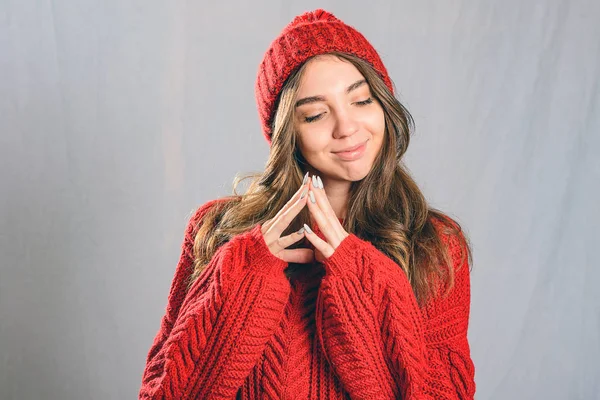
point(453, 238)
point(452, 293)
point(197, 216)
point(455, 268)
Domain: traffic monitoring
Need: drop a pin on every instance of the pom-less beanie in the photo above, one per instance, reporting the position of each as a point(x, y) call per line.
point(309, 34)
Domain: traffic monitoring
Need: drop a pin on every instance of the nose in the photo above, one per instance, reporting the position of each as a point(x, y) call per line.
point(345, 125)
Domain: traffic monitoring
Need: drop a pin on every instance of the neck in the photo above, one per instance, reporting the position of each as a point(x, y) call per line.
point(338, 193)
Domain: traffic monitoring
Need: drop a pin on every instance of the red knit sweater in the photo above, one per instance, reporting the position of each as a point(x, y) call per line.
point(348, 328)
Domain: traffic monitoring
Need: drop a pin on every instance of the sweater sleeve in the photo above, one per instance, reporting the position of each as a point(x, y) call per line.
point(380, 342)
point(213, 334)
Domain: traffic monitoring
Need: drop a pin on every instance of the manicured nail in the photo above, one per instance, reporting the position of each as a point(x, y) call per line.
point(303, 195)
point(305, 180)
point(301, 231)
point(308, 230)
point(320, 182)
point(314, 181)
point(312, 196)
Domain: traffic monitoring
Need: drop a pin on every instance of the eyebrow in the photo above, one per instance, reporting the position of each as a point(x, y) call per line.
point(314, 99)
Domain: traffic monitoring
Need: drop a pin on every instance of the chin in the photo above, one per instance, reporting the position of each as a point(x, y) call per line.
point(345, 171)
point(357, 172)
point(355, 177)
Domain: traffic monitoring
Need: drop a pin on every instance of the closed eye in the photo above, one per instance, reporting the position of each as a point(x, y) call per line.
point(365, 102)
point(318, 116)
point(313, 118)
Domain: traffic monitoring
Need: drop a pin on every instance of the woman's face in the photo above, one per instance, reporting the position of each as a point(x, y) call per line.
point(339, 123)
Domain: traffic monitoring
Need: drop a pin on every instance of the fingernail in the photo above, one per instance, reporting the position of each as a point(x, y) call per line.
point(312, 196)
point(308, 230)
point(305, 179)
point(320, 182)
point(301, 231)
point(314, 181)
point(303, 195)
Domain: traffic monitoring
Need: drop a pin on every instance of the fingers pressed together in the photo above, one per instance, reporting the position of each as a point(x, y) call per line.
point(311, 193)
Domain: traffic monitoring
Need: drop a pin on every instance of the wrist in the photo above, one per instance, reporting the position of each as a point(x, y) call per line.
point(347, 257)
point(259, 255)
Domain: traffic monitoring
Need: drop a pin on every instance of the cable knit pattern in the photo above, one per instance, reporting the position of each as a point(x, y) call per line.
point(350, 328)
point(367, 305)
point(222, 326)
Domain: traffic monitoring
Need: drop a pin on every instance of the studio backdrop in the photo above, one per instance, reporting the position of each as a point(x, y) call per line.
point(119, 118)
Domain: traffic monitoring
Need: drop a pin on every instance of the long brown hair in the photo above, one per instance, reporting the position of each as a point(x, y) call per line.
point(386, 207)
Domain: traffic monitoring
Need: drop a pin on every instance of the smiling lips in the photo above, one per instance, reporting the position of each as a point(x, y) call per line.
point(352, 153)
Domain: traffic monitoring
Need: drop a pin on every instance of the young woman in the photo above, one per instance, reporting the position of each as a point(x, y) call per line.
point(331, 277)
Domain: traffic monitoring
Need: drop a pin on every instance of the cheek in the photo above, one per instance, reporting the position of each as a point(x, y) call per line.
point(312, 142)
point(377, 125)
point(380, 122)
point(377, 128)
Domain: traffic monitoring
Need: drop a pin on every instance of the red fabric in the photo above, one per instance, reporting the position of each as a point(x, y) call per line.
point(350, 327)
point(310, 34)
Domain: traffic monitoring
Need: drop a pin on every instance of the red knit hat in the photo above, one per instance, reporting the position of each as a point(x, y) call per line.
point(310, 34)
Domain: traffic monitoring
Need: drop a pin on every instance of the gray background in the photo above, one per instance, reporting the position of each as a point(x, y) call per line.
point(118, 118)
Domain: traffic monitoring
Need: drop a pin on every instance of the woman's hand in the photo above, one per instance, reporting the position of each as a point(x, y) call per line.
point(328, 222)
point(273, 228)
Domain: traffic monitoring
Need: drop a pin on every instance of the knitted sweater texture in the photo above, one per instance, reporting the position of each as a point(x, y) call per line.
point(348, 328)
